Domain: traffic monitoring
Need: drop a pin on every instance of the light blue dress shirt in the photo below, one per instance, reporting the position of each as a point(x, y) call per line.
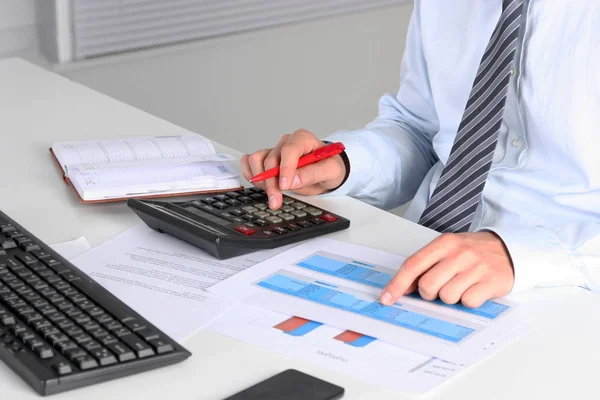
point(542, 196)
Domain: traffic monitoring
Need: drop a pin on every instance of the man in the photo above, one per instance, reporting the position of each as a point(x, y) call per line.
point(494, 136)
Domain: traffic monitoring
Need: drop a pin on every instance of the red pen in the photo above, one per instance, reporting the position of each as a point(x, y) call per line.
point(324, 152)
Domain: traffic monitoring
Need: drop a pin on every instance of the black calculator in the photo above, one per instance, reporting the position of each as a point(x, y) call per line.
point(235, 223)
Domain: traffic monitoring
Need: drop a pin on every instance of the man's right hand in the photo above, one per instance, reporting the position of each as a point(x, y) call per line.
point(309, 180)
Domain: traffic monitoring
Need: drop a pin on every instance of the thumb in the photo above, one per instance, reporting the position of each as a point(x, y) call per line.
point(330, 170)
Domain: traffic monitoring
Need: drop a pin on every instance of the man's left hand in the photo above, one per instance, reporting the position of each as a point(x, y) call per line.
point(468, 267)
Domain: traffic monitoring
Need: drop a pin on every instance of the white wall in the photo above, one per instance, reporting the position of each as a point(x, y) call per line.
point(247, 90)
point(18, 27)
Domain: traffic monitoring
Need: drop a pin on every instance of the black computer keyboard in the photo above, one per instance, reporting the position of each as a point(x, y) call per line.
point(59, 329)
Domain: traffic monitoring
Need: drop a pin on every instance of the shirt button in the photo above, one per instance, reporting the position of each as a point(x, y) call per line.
point(516, 143)
point(512, 71)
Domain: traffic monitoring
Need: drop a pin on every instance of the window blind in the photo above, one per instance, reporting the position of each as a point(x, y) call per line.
point(111, 26)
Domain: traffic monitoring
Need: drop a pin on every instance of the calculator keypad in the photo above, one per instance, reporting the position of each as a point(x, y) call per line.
point(249, 215)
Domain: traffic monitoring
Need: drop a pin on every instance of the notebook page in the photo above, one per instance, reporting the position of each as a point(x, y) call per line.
point(94, 183)
point(131, 149)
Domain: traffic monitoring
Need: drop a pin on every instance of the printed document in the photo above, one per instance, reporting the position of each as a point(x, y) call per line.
point(339, 284)
point(155, 274)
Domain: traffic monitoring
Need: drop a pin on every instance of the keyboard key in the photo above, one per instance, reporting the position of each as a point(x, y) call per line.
point(261, 206)
point(147, 334)
point(279, 230)
point(62, 368)
point(122, 352)
point(6, 228)
point(315, 212)
point(245, 230)
point(160, 346)
point(135, 325)
point(29, 246)
point(44, 352)
point(140, 348)
point(7, 243)
point(26, 258)
point(40, 254)
point(293, 227)
point(104, 356)
point(85, 362)
point(274, 220)
point(287, 217)
point(74, 331)
point(74, 352)
point(329, 217)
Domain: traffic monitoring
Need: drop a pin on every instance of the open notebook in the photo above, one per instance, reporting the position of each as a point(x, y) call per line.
point(117, 169)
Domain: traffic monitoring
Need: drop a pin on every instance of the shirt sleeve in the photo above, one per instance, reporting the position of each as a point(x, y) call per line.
point(542, 257)
point(390, 157)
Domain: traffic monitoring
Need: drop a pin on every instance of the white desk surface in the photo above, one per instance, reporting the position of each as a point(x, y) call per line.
point(556, 359)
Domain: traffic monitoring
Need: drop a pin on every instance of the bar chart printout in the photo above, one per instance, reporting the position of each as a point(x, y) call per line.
point(332, 296)
point(377, 276)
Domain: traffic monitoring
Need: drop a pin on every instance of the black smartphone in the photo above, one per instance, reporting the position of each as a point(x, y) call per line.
point(291, 385)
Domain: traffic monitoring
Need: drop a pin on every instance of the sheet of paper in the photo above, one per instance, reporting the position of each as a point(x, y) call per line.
point(73, 248)
point(339, 284)
point(155, 274)
point(360, 357)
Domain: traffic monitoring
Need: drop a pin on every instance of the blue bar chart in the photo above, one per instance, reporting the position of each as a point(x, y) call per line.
point(332, 296)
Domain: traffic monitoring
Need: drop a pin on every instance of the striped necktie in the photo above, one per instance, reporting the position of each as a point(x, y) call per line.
point(456, 197)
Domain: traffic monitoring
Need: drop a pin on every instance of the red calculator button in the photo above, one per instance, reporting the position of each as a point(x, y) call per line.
point(245, 230)
point(329, 217)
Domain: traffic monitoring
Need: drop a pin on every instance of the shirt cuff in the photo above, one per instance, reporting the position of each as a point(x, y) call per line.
point(539, 259)
point(360, 161)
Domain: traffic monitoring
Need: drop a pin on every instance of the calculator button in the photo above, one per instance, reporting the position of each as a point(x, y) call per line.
point(233, 195)
point(247, 192)
point(317, 221)
point(287, 217)
point(287, 209)
point(293, 227)
point(329, 217)
point(238, 219)
point(280, 231)
point(298, 205)
point(237, 213)
point(262, 214)
point(249, 217)
point(305, 224)
point(315, 212)
point(222, 197)
point(250, 209)
point(269, 233)
point(299, 213)
point(245, 230)
point(249, 224)
point(233, 203)
point(209, 201)
point(220, 205)
point(261, 222)
point(274, 219)
point(258, 197)
point(273, 212)
point(245, 199)
point(261, 206)
point(257, 190)
point(226, 215)
point(287, 201)
point(208, 208)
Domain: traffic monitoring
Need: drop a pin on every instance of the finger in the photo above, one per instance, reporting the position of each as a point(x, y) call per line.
point(300, 143)
point(256, 161)
point(479, 293)
point(245, 164)
point(452, 292)
point(434, 279)
point(273, 160)
point(418, 264)
point(312, 174)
